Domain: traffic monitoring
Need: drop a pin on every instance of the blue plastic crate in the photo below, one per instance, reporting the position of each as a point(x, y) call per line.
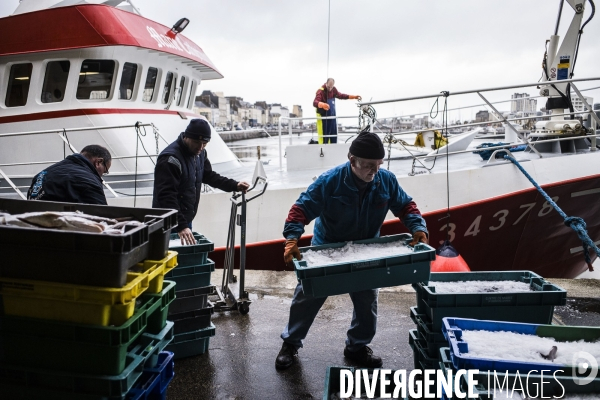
point(24, 383)
point(354, 276)
point(536, 306)
point(192, 277)
point(453, 328)
point(153, 383)
point(196, 254)
point(553, 386)
point(191, 343)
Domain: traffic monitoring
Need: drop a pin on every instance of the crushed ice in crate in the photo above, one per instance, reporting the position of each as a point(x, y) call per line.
point(521, 347)
point(480, 286)
point(355, 252)
point(175, 243)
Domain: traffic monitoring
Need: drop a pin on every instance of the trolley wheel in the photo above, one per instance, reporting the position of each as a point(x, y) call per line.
point(244, 308)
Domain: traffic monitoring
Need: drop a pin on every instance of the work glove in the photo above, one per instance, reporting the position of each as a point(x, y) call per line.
point(324, 106)
point(291, 252)
point(353, 97)
point(419, 236)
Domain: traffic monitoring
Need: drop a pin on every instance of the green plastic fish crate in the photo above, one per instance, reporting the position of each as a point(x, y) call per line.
point(195, 254)
point(536, 307)
point(354, 276)
point(26, 383)
point(157, 319)
point(191, 299)
point(420, 357)
point(432, 340)
point(191, 343)
point(192, 277)
point(70, 347)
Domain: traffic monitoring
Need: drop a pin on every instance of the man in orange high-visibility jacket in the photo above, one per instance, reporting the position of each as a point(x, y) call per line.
point(325, 104)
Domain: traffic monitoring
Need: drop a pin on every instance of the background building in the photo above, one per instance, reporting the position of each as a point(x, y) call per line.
point(523, 103)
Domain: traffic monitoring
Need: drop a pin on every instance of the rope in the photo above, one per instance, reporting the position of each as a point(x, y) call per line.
point(445, 124)
point(575, 223)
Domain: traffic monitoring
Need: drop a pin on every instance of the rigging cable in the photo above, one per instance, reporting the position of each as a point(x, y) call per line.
point(328, 30)
point(139, 134)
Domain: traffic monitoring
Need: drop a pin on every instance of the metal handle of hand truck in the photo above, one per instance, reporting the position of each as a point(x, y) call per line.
point(236, 196)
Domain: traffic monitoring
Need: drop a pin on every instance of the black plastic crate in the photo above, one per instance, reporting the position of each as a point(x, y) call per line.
point(80, 257)
point(191, 299)
point(191, 321)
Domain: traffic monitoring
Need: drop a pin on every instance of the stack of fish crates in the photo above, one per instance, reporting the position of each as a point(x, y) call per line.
point(83, 315)
point(191, 311)
point(72, 341)
point(536, 305)
point(535, 378)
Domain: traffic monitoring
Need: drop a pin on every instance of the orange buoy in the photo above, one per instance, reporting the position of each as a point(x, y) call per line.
point(448, 260)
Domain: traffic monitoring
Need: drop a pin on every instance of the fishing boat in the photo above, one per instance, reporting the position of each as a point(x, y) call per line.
point(109, 76)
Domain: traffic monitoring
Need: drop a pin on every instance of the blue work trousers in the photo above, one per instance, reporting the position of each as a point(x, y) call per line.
point(304, 309)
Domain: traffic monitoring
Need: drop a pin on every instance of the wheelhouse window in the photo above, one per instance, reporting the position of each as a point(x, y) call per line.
point(180, 91)
point(167, 89)
point(150, 85)
point(95, 79)
point(55, 81)
point(127, 81)
point(192, 95)
point(18, 85)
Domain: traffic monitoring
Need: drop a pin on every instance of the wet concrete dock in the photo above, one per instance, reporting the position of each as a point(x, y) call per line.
point(240, 363)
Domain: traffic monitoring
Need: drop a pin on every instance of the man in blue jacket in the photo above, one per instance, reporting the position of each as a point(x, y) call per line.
point(349, 203)
point(76, 179)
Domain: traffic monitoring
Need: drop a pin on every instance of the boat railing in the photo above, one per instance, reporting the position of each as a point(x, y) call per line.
point(62, 134)
point(587, 110)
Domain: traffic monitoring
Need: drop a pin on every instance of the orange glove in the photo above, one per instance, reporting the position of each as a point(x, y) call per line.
point(352, 97)
point(419, 237)
point(324, 106)
point(291, 252)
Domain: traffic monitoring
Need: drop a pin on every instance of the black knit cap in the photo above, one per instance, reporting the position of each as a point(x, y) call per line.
point(367, 145)
point(198, 129)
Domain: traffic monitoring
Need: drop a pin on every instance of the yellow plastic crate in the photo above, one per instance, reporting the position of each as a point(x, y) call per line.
point(155, 271)
point(136, 284)
point(71, 311)
point(84, 304)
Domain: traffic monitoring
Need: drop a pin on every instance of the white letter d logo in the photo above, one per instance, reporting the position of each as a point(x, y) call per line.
point(584, 363)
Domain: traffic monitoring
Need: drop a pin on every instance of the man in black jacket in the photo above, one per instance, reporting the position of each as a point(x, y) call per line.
point(181, 169)
point(76, 179)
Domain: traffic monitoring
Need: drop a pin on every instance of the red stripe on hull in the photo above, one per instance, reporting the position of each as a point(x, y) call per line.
point(81, 112)
point(517, 231)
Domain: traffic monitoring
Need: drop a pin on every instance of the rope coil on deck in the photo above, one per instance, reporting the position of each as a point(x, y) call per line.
point(575, 223)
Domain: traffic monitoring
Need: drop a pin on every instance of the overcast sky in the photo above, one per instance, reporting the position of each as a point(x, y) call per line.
point(276, 51)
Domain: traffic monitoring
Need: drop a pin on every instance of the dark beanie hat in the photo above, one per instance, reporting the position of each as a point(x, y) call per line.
point(367, 145)
point(198, 129)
